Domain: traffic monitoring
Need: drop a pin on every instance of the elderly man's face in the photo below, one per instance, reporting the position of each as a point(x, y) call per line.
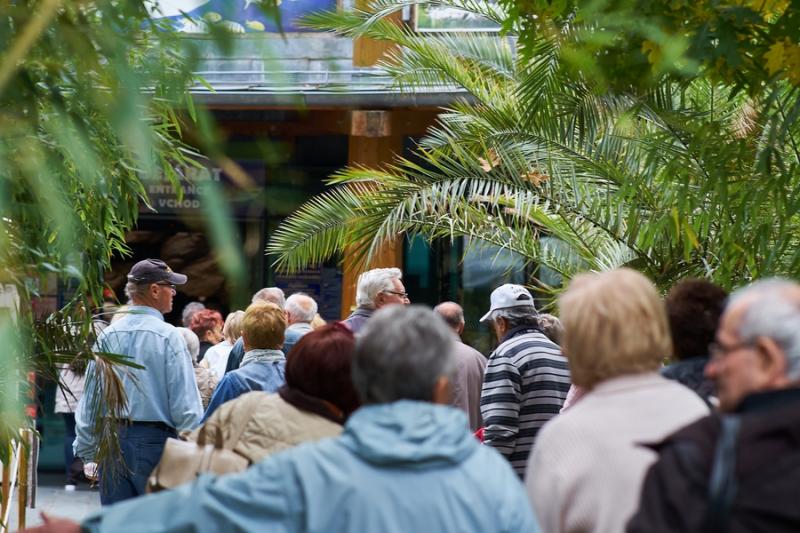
point(394, 296)
point(738, 368)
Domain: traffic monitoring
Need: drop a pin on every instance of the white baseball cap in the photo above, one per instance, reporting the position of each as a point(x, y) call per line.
point(510, 295)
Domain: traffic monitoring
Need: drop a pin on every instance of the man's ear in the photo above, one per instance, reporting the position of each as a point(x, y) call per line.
point(772, 360)
point(442, 391)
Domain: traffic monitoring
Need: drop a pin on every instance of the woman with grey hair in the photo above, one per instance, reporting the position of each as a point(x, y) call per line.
point(206, 379)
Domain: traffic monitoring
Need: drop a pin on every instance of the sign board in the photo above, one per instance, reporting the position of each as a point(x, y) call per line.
point(433, 17)
point(324, 284)
point(164, 198)
point(237, 16)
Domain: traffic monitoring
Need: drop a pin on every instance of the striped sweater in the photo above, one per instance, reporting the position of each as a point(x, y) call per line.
point(525, 385)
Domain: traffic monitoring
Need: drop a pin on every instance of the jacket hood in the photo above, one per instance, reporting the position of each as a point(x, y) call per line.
point(411, 434)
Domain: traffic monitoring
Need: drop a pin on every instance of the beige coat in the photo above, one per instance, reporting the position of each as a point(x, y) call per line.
point(270, 425)
point(586, 469)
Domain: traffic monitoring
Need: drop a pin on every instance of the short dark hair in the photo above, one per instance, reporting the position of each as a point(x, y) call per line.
point(320, 365)
point(694, 307)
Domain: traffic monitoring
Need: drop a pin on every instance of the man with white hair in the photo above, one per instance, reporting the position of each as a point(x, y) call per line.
point(470, 366)
point(738, 470)
point(526, 379)
point(376, 288)
point(271, 295)
point(300, 311)
point(406, 460)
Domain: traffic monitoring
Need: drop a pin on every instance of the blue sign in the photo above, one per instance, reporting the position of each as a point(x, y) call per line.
point(237, 16)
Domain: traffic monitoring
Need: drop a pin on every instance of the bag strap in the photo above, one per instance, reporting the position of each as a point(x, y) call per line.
point(722, 483)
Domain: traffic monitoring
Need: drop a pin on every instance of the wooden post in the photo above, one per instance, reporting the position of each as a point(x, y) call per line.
point(22, 477)
point(373, 144)
point(6, 483)
point(367, 52)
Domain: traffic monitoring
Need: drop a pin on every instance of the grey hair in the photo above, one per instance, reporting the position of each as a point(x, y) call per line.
point(136, 291)
point(774, 312)
point(401, 354)
point(516, 316)
point(189, 311)
point(302, 307)
point(270, 294)
point(451, 313)
point(373, 282)
point(192, 342)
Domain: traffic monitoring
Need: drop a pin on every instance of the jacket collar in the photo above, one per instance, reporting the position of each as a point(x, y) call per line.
point(768, 400)
point(519, 330)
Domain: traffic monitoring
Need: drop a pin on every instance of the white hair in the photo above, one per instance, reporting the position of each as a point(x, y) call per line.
point(302, 307)
point(773, 311)
point(270, 294)
point(192, 342)
point(373, 282)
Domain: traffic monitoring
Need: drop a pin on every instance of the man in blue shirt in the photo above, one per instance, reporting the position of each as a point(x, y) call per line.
point(262, 367)
point(162, 397)
point(406, 460)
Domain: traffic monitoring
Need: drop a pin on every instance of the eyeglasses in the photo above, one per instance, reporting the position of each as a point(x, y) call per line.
point(170, 285)
point(718, 351)
point(396, 293)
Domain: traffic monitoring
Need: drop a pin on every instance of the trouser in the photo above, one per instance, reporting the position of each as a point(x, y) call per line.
point(142, 444)
point(73, 465)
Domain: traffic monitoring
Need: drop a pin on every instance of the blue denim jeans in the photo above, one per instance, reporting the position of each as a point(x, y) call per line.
point(142, 446)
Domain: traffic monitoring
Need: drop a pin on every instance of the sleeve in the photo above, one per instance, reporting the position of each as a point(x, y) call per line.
point(500, 400)
point(227, 389)
point(674, 493)
point(265, 497)
point(185, 405)
point(85, 444)
point(544, 486)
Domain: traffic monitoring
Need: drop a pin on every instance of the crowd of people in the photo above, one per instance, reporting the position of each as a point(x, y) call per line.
point(627, 412)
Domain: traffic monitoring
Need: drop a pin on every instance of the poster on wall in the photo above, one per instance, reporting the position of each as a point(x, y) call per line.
point(237, 16)
point(433, 17)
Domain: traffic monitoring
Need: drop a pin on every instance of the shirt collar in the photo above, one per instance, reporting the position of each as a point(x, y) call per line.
point(145, 310)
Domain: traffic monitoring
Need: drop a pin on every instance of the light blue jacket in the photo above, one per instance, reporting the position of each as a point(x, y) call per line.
point(165, 390)
point(401, 467)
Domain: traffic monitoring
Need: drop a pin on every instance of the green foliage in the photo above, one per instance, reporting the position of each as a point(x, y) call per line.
point(626, 44)
point(694, 178)
point(88, 99)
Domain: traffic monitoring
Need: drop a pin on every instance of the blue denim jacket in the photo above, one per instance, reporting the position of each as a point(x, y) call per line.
point(259, 375)
point(165, 390)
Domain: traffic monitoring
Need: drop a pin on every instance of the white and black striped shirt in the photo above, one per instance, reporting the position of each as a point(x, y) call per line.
point(525, 385)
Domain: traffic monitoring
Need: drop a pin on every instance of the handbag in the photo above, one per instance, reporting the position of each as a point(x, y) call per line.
point(183, 461)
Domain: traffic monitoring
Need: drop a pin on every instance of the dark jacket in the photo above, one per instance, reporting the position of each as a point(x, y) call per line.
point(690, 372)
point(767, 471)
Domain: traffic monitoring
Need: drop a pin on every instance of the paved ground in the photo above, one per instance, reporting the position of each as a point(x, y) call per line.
point(53, 499)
